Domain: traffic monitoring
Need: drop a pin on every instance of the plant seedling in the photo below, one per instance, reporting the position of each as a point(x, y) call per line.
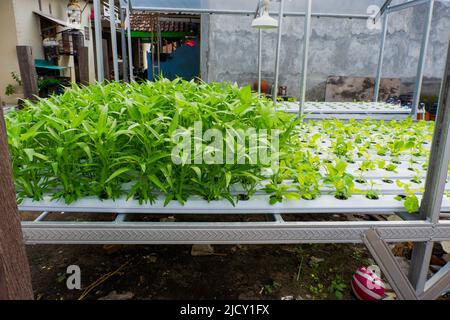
point(411, 202)
point(391, 167)
point(338, 287)
point(341, 180)
point(371, 193)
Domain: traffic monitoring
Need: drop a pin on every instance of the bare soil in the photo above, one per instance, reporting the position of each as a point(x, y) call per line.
point(170, 272)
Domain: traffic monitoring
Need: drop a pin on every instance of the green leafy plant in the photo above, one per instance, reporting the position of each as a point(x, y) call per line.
point(119, 138)
point(268, 289)
point(115, 140)
point(365, 166)
point(308, 177)
point(338, 287)
point(342, 181)
point(11, 88)
point(391, 167)
point(371, 193)
point(316, 288)
point(410, 200)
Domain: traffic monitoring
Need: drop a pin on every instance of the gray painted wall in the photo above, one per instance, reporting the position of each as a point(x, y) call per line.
point(339, 47)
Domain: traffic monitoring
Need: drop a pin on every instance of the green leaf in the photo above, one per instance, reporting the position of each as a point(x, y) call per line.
point(86, 149)
point(292, 196)
point(117, 173)
point(174, 124)
point(411, 204)
point(245, 95)
point(198, 172)
point(32, 131)
point(168, 199)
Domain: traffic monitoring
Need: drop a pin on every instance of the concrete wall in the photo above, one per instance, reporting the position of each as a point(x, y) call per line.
point(20, 26)
point(339, 47)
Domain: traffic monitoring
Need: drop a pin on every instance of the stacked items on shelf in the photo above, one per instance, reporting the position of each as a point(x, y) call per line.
point(109, 146)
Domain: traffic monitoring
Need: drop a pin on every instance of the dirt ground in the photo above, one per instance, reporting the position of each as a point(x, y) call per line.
point(171, 272)
point(167, 272)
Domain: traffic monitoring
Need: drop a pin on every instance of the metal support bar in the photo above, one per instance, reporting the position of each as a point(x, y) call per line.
point(273, 232)
point(112, 23)
point(120, 217)
point(406, 5)
point(422, 59)
point(130, 48)
point(259, 60)
point(278, 52)
point(380, 58)
point(41, 216)
point(383, 9)
point(124, 46)
point(386, 260)
point(307, 33)
point(438, 284)
point(249, 12)
point(435, 183)
point(98, 41)
point(278, 218)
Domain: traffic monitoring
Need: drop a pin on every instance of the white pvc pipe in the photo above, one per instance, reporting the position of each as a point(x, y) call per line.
point(98, 41)
point(112, 23)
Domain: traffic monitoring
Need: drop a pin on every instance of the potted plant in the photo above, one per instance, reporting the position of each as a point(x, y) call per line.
point(14, 90)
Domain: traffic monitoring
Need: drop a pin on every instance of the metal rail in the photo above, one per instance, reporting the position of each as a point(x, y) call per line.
point(228, 232)
point(249, 12)
point(98, 41)
point(278, 52)
point(304, 75)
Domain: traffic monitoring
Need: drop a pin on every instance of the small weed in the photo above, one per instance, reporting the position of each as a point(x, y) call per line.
point(316, 288)
point(337, 287)
point(268, 289)
point(60, 277)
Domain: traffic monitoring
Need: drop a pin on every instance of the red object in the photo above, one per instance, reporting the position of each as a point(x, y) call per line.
point(265, 88)
point(92, 14)
point(190, 43)
point(366, 285)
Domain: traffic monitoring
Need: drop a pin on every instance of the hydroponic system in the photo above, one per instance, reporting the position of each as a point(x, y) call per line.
point(107, 148)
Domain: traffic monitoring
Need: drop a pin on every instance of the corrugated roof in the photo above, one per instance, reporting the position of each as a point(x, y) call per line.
point(141, 21)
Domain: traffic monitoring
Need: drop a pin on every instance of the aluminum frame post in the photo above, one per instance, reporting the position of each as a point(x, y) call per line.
point(112, 23)
point(383, 256)
point(98, 41)
point(376, 92)
point(277, 57)
point(301, 106)
point(383, 9)
point(406, 5)
point(435, 182)
point(438, 284)
point(130, 49)
point(259, 60)
point(422, 57)
point(123, 41)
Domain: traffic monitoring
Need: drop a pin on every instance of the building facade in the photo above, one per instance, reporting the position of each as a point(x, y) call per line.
point(21, 24)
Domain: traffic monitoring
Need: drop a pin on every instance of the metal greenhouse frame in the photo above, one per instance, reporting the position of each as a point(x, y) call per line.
point(126, 6)
point(424, 229)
